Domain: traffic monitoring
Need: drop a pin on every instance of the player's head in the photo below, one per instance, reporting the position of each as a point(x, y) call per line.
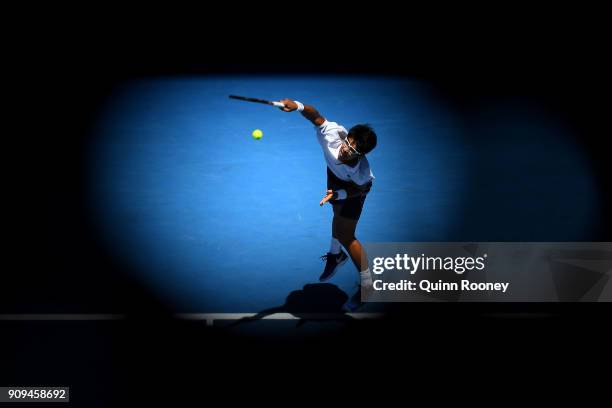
point(360, 141)
point(364, 138)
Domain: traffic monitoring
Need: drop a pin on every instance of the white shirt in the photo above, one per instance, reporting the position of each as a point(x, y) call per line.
point(330, 136)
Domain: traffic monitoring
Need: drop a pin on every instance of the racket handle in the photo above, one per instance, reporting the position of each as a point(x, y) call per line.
point(279, 104)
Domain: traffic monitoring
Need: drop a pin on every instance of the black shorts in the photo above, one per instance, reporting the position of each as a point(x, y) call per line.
point(350, 207)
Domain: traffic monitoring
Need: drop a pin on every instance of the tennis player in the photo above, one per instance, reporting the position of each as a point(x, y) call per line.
point(349, 180)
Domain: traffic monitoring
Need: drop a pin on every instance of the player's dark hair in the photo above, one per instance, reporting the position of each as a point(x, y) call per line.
point(364, 138)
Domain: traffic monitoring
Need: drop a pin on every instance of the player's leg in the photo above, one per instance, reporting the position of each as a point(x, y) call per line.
point(346, 216)
point(345, 228)
point(344, 231)
point(333, 259)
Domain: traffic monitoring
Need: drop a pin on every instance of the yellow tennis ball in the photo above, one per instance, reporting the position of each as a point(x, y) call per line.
point(257, 134)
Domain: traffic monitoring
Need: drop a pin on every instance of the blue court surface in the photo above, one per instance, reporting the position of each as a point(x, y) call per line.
point(213, 221)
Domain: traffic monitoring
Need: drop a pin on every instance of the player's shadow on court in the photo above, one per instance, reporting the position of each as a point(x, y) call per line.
point(318, 302)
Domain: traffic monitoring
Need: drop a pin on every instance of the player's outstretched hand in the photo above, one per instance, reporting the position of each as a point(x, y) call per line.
point(328, 196)
point(290, 106)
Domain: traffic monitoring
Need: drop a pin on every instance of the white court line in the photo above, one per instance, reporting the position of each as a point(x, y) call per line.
point(208, 317)
point(211, 317)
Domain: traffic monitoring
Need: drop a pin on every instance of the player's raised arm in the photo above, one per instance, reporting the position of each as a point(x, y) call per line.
point(309, 112)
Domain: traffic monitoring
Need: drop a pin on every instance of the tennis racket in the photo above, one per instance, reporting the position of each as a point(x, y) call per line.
point(256, 100)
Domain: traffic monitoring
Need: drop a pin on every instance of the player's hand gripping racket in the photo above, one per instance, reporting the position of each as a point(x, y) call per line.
point(256, 100)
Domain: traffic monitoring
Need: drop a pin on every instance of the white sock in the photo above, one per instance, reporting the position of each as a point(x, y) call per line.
point(335, 246)
point(366, 278)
